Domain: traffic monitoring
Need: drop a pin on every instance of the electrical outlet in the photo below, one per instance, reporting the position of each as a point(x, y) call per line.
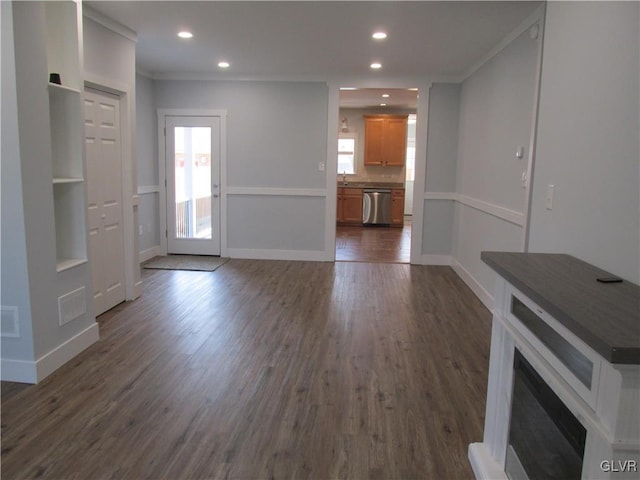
point(321, 166)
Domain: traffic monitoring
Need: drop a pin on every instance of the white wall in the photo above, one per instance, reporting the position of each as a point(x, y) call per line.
point(276, 138)
point(588, 136)
point(440, 177)
point(496, 117)
point(14, 286)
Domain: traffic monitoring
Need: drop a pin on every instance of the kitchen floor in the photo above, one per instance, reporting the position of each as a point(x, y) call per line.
point(374, 244)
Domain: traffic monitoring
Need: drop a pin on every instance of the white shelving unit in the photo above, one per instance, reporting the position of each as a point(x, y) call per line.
point(67, 140)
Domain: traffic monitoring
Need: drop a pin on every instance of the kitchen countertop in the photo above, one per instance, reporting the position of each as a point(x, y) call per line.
point(371, 185)
point(606, 316)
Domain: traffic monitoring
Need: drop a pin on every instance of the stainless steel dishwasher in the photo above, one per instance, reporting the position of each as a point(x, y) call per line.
point(376, 206)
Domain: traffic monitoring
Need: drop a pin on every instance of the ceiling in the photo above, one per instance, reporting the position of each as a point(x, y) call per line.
point(315, 40)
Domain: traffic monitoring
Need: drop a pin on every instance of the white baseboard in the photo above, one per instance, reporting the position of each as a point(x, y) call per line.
point(24, 371)
point(443, 260)
point(149, 253)
point(269, 254)
point(483, 465)
point(21, 371)
point(485, 297)
point(49, 363)
point(137, 289)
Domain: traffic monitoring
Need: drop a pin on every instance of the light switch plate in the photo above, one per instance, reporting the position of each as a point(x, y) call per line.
point(548, 202)
point(321, 166)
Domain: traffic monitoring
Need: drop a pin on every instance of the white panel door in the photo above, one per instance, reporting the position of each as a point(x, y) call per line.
point(193, 190)
point(104, 185)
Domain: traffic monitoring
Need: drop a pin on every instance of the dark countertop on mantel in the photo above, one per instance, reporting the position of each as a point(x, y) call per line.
point(606, 316)
point(371, 185)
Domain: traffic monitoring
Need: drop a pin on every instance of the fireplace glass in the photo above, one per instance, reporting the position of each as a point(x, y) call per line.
point(545, 439)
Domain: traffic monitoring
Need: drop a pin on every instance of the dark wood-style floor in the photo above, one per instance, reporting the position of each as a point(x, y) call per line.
point(373, 244)
point(265, 369)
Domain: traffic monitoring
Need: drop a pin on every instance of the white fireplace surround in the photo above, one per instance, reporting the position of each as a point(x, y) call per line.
point(609, 410)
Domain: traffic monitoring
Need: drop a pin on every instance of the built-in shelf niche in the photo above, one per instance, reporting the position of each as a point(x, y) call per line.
point(69, 210)
point(63, 30)
point(63, 51)
point(65, 109)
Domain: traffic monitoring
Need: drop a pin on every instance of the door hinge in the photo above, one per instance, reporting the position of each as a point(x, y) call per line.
point(165, 131)
point(166, 234)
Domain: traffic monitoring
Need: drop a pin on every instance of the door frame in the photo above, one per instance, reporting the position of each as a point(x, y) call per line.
point(162, 169)
point(333, 115)
point(132, 282)
point(119, 100)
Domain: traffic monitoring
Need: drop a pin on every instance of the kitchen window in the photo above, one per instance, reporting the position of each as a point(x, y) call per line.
point(347, 153)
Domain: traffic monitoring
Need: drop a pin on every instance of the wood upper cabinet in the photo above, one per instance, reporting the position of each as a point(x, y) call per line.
point(349, 206)
point(385, 140)
point(397, 207)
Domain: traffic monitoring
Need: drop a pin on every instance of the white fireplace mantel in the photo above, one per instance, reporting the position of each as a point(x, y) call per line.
point(598, 322)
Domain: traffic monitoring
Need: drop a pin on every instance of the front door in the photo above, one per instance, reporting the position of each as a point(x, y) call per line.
point(104, 193)
point(193, 184)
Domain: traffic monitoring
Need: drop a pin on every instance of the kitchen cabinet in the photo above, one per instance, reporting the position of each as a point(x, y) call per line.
point(385, 140)
point(349, 206)
point(397, 207)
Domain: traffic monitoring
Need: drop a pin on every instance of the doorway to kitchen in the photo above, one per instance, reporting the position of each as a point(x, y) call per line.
point(375, 174)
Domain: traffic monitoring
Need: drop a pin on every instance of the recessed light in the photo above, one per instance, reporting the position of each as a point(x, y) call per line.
point(379, 35)
point(348, 88)
point(185, 34)
point(385, 95)
point(412, 89)
point(376, 65)
point(224, 64)
point(383, 104)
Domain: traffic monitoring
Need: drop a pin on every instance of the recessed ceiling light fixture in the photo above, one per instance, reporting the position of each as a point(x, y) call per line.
point(376, 65)
point(347, 88)
point(383, 104)
point(224, 64)
point(185, 34)
point(380, 35)
point(385, 95)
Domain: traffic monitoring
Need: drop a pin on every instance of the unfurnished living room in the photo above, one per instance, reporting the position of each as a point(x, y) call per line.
point(309, 239)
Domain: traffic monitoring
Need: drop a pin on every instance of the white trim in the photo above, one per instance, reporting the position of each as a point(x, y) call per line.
point(497, 211)
point(60, 355)
point(129, 202)
point(23, 371)
point(109, 23)
point(279, 192)
point(528, 193)
point(147, 189)
point(441, 260)
point(419, 184)
point(331, 166)
point(483, 464)
point(149, 253)
point(273, 254)
point(162, 113)
point(441, 196)
point(138, 288)
point(485, 297)
point(536, 16)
